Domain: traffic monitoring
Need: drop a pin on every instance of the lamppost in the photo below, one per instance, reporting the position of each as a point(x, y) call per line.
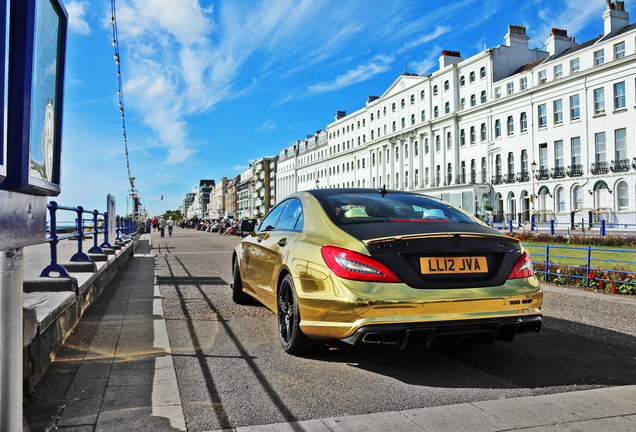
point(317, 183)
point(533, 168)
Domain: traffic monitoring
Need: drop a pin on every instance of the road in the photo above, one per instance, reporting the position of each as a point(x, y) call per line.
point(231, 370)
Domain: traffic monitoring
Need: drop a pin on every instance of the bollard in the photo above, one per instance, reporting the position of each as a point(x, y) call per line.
point(602, 227)
point(53, 241)
point(95, 248)
point(510, 225)
point(532, 222)
point(79, 232)
point(551, 227)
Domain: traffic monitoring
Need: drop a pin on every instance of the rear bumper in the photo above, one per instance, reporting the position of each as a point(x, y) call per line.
point(400, 335)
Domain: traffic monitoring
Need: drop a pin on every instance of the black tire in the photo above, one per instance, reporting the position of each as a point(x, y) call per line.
point(291, 336)
point(238, 295)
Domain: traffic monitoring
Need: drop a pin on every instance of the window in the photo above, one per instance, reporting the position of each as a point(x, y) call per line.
point(449, 141)
point(511, 163)
point(482, 72)
point(437, 143)
point(574, 65)
point(510, 125)
point(523, 122)
point(435, 90)
point(483, 96)
point(622, 196)
point(472, 135)
point(619, 50)
point(599, 147)
point(483, 132)
point(543, 156)
point(462, 103)
point(473, 100)
point(393, 127)
point(543, 115)
point(449, 171)
point(523, 83)
point(599, 101)
point(446, 85)
point(422, 94)
point(426, 145)
point(393, 107)
point(558, 153)
point(599, 57)
point(384, 109)
point(462, 81)
point(620, 138)
point(510, 88)
point(371, 117)
point(462, 137)
point(543, 77)
point(415, 148)
point(416, 178)
point(412, 99)
point(524, 161)
point(578, 197)
point(575, 112)
point(270, 222)
point(560, 199)
point(403, 122)
point(497, 128)
point(372, 135)
point(412, 119)
point(436, 112)
point(557, 106)
point(423, 115)
point(472, 77)
point(397, 153)
point(447, 108)
point(575, 145)
point(557, 71)
point(473, 171)
point(402, 104)
point(372, 159)
point(497, 92)
point(619, 95)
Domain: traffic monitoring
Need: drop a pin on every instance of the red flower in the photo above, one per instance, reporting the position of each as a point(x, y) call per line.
point(591, 276)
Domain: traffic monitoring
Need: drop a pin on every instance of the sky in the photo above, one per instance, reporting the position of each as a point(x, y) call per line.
point(210, 86)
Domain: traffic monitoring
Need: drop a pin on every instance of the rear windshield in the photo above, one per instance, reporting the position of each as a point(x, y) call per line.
point(364, 207)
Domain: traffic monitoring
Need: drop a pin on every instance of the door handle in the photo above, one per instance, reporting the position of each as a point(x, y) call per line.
point(282, 242)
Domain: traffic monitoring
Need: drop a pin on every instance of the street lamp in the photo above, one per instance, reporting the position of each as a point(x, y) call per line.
point(317, 183)
point(533, 168)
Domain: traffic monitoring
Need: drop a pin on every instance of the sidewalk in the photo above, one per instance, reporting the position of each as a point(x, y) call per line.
point(116, 373)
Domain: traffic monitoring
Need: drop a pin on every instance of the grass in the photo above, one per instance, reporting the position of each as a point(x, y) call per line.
point(601, 259)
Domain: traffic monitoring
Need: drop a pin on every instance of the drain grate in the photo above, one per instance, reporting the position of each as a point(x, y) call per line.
point(190, 280)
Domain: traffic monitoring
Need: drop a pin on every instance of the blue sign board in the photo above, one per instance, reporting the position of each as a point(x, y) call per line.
point(37, 50)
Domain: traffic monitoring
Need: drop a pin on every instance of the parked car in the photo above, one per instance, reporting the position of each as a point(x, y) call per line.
point(384, 267)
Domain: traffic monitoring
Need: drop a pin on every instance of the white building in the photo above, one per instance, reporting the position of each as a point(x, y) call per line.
point(496, 129)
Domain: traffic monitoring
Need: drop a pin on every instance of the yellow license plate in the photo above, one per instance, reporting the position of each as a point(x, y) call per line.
point(445, 265)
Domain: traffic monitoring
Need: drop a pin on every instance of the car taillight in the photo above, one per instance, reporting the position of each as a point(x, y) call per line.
point(348, 264)
point(523, 267)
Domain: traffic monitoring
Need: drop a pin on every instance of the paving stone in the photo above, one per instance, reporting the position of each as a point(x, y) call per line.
point(444, 418)
point(393, 421)
point(613, 424)
point(527, 412)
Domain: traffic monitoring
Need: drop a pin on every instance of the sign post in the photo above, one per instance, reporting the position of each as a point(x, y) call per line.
point(30, 156)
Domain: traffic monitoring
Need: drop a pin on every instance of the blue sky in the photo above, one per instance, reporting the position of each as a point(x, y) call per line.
point(211, 85)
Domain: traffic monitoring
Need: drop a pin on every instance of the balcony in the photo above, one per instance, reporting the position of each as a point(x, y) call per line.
point(619, 165)
point(523, 176)
point(575, 170)
point(497, 179)
point(558, 172)
point(542, 174)
point(599, 168)
point(509, 178)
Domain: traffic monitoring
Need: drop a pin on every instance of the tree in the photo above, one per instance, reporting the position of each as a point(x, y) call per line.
point(176, 215)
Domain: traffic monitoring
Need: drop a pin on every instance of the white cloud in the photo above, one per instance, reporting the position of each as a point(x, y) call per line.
point(269, 127)
point(76, 12)
point(362, 73)
point(423, 66)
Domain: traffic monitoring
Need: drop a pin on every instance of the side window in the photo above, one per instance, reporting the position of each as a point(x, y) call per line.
point(290, 216)
point(270, 221)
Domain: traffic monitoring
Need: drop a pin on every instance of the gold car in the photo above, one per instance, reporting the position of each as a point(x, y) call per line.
point(384, 267)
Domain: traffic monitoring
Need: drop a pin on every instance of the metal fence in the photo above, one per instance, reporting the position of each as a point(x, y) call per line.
point(95, 225)
point(552, 227)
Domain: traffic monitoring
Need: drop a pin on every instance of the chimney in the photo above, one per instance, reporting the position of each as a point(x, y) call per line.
point(516, 37)
point(372, 98)
point(615, 17)
point(559, 41)
point(448, 58)
point(340, 114)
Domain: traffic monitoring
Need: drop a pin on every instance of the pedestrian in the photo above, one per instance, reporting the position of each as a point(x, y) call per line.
point(489, 219)
point(162, 226)
point(154, 224)
point(170, 225)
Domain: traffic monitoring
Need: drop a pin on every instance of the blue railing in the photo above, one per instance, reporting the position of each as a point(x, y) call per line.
point(587, 262)
point(95, 226)
point(551, 227)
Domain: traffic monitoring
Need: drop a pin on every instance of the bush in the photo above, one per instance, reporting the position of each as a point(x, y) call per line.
point(607, 241)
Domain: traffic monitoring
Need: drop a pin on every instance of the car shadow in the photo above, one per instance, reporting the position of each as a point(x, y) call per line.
point(563, 353)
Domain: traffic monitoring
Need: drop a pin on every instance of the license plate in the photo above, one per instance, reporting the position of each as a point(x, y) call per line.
point(445, 265)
